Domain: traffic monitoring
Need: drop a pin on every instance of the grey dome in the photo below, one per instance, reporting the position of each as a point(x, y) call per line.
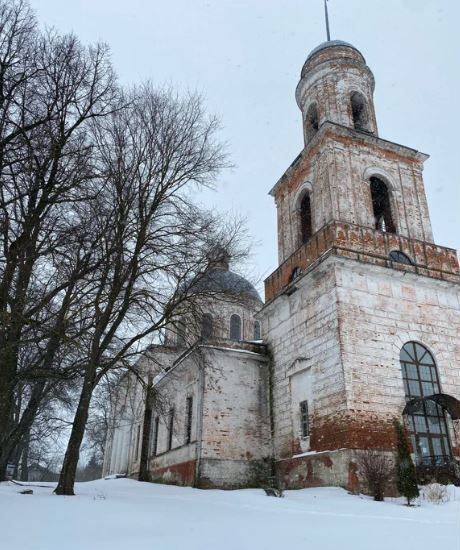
point(326, 45)
point(222, 280)
point(330, 44)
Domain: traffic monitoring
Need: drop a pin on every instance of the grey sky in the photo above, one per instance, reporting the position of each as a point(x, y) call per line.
point(245, 56)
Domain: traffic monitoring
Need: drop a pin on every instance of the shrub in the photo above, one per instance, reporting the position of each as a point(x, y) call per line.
point(376, 470)
point(405, 469)
point(435, 493)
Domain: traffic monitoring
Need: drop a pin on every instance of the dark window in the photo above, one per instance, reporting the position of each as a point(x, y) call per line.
point(188, 419)
point(181, 333)
point(156, 427)
point(304, 426)
point(427, 426)
point(400, 257)
point(235, 327)
point(170, 428)
point(257, 335)
point(206, 326)
point(359, 111)
point(305, 218)
point(381, 206)
point(311, 121)
point(138, 437)
point(295, 273)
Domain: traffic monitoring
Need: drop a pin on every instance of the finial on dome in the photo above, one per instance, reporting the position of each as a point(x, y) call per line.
point(326, 13)
point(218, 257)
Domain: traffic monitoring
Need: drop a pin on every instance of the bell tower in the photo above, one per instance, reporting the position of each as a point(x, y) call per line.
point(337, 86)
point(359, 281)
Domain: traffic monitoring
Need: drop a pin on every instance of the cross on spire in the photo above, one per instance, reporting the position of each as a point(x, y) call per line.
point(326, 13)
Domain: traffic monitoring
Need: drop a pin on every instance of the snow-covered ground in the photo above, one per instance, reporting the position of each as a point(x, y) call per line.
point(122, 514)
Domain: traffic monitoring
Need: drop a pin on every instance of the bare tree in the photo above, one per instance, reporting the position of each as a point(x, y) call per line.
point(51, 89)
point(155, 155)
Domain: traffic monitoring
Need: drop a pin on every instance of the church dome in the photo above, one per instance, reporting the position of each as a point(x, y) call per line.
point(335, 47)
point(220, 279)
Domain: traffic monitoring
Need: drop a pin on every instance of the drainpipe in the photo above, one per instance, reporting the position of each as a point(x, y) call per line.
point(199, 427)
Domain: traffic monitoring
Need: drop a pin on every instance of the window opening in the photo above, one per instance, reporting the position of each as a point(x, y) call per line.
point(400, 257)
point(311, 121)
point(181, 333)
point(235, 327)
point(188, 419)
point(295, 274)
point(359, 111)
point(206, 326)
point(257, 335)
point(137, 442)
point(304, 425)
point(170, 429)
point(381, 206)
point(428, 426)
point(305, 218)
point(156, 427)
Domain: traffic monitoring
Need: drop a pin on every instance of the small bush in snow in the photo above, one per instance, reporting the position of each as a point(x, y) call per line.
point(376, 470)
point(435, 493)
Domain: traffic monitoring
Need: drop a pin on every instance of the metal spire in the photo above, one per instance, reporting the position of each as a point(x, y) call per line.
point(326, 13)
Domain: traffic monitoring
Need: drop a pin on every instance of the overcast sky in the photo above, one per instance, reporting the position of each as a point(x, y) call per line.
point(245, 57)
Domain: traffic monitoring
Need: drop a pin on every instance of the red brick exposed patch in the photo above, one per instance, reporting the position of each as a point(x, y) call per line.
point(353, 430)
point(179, 474)
point(367, 245)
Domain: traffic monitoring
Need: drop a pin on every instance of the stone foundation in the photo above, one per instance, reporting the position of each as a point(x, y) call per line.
point(233, 474)
point(328, 468)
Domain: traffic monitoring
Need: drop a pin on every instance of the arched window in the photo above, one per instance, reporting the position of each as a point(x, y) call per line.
point(311, 121)
point(235, 327)
point(427, 426)
point(296, 272)
point(381, 206)
point(206, 326)
point(257, 335)
point(305, 218)
point(400, 257)
point(359, 111)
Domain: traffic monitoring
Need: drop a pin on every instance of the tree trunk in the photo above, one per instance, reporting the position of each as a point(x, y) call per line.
point(144, 463)
point(72, 455)
point(14, 436)
point(6, 412)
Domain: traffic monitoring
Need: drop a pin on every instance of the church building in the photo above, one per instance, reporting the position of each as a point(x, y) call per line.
point(360, 324)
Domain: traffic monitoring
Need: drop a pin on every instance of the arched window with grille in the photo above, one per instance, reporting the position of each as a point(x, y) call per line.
point(207, 328)
point(381, 205)
point(428, 423)
point(235, 327)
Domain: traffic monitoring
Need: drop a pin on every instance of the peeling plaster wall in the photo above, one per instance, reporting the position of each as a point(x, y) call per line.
point(302, 333)
point(236, 430)
point(338, 170)
point(379, 311)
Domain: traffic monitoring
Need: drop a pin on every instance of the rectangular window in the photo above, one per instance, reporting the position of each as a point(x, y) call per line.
point(156, 426)
point(304, 426)
point(170, 428)
point(137, 443)
point(188, 419)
